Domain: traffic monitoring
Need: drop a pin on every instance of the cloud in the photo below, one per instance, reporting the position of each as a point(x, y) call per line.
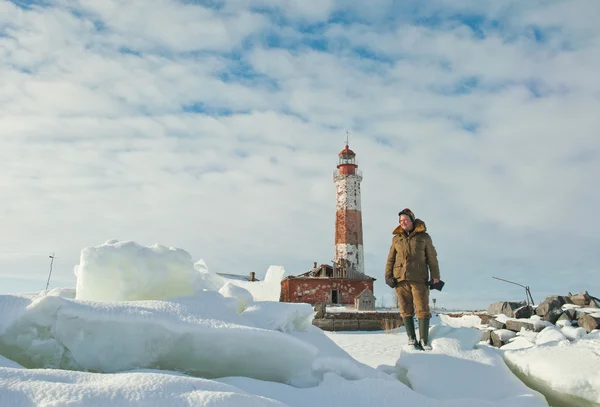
point(215, 127)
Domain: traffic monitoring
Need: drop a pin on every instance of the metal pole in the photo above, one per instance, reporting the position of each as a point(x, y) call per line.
point(512, 282)
point(50, 274)
point(527, 292)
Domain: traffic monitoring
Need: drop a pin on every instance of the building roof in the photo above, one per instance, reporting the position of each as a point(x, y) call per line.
point(347, 151)
point(365, 291)
point(308, 275)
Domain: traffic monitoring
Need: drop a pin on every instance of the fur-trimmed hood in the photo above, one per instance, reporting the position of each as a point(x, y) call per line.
point(419, 227)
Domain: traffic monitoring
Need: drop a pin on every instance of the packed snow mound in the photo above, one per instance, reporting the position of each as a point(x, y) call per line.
point(462, 321)
point(202, 336)
point(5, 362)
point(21, 387)
point(205, 335)
point(127, 271)
point(241, 295)
point(569, 368)
point(284, 317)
point(562, 361)
point(268, 289)
point(459, 371)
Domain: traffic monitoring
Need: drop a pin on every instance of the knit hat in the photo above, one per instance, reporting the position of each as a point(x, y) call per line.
point(408, 213)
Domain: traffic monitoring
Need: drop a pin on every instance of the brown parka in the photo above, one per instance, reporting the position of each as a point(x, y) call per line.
point(410, 256)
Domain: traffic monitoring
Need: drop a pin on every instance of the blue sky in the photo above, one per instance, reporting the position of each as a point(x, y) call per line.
point(214, 126)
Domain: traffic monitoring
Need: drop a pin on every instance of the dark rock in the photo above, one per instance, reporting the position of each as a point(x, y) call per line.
point(548, 305)
point(553, 315)
point(501, 337)
point(564, 317)
point(505, 307)
point(524, 312)
point(589, 323)
point(494, 323)
point(571, 313)
point(516, 326)
point(582, 299)
point(563, 299)
point(594, 304)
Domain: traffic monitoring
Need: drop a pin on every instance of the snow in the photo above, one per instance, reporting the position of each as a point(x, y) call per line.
point(571, 368)
point(133, 337)
point(202, 335)
point(550, 335)
point(124, 271)
point(564, 359)
point(463, 321)
point(242, 296)
point(268, 289)
point(458, 372)
point(505, 334)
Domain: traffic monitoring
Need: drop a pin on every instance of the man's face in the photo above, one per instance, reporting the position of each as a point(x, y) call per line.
point(405, 222)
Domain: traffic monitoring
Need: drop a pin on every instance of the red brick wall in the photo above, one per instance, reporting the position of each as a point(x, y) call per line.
point(313, 290)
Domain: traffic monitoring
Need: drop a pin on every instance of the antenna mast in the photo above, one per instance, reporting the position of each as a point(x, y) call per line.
point(50, 274)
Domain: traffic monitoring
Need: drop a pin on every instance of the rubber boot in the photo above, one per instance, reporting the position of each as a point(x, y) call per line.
point(424, 333)
point(409, 324)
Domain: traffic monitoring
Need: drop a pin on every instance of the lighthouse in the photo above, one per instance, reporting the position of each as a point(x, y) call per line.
point(348, 217)
point(344, 281)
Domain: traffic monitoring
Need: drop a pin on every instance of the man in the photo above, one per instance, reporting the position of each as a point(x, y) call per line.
point(411, 264)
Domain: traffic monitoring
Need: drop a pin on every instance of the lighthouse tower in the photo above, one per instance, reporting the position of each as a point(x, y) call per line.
point(348, 218)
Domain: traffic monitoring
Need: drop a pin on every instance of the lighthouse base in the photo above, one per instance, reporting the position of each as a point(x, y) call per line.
point(310, 290)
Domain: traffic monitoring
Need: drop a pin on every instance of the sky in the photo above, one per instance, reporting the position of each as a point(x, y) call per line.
point(224, 346)
point(214, 126)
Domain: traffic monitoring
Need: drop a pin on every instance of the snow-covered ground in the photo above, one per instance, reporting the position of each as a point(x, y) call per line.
point(129, 337)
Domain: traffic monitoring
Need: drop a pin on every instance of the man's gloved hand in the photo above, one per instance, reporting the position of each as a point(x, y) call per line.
point(391, 281)
point(436, 284)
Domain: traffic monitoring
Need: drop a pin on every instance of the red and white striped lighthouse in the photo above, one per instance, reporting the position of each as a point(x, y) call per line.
point(348, 217)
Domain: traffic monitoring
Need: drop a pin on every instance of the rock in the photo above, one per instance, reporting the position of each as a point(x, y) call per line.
point(524, 312)
point(494, 323)
point(548, 305)
point(594, 304)
point(589, 323)
point(581, 299)
point(563, 299)
point(564, 317)
point(484, 318)
point(505, 307)
point(571, 313)
point(320, 309)
point(553, 316)
point(501, 337)
point(486, 336)
point(515, 326)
